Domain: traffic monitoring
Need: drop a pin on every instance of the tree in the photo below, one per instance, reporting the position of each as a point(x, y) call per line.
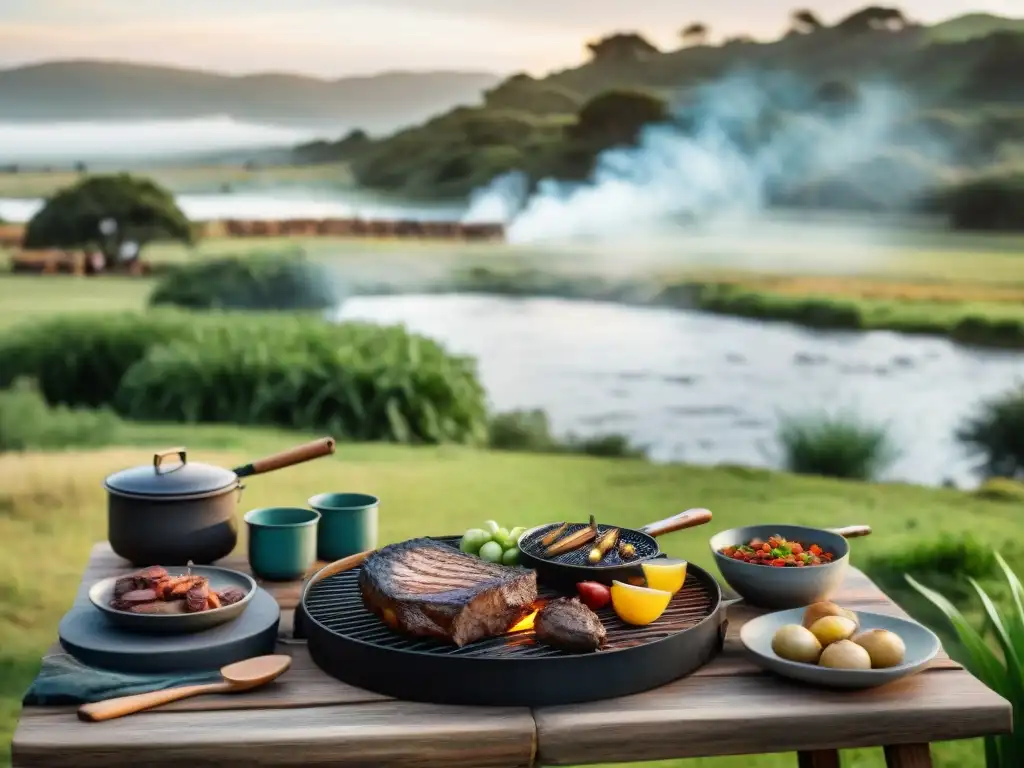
point(805, 21)
point(107, 212)
point(694, 34)
point(874, 18)
point(617, 117)
point(621, 47)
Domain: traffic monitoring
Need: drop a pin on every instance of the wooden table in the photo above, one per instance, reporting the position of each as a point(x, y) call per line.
point(728, 707)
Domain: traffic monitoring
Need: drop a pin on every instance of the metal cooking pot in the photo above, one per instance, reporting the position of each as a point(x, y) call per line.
point(170, 515)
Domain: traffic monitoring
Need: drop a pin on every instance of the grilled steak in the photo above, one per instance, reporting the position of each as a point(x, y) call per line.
point(568, 624)
point(423, 587)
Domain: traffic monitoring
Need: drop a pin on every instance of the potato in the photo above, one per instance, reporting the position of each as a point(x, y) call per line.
point(885, 648)
point(795, 643)
point(832, 629)
point(845, 654)
point(817, 611)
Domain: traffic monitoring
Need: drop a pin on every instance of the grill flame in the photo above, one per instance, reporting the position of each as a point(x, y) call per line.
point(525, 623)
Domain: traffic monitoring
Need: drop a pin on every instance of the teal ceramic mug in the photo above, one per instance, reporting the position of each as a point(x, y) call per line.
point(348, 524)
point(282, 542)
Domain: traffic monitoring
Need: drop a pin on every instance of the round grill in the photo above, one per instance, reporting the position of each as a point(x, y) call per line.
point(646, 547)
point(351, 643)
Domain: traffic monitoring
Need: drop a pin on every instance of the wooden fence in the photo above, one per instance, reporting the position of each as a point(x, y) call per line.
point(11, 235)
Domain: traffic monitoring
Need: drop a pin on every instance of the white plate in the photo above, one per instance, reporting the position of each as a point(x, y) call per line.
point(922, 646)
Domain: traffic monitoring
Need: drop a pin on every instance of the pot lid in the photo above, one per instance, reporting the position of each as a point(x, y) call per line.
point(171, 474)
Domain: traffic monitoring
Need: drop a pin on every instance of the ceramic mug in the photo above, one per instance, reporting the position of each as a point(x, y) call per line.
point(282, 542)
point(348, 524)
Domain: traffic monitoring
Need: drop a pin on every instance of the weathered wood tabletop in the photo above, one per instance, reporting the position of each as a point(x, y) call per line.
point(728, 707)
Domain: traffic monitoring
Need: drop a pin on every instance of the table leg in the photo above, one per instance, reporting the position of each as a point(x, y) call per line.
point(908, 756)
point(822, 758)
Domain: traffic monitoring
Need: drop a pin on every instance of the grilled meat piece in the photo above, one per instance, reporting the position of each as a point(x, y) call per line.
point(161, 607)
point(124, 585)
point(147, 577)
point(130, 599)
point(230, 595)
point(568, 624)
point(196, 598)
point(423, 587)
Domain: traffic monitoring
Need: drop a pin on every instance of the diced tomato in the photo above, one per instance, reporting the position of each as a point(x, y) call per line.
point(796, 555)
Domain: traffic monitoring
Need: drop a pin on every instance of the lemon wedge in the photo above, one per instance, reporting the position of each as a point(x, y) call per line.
point(638, 605)
point(666, 575)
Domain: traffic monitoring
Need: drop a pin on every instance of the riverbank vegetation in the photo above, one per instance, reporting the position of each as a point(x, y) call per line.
point(841, 445)
point(974, 295)
point(362, 382)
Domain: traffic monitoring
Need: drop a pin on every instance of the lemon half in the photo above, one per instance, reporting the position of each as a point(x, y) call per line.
point(666, 575)
point(638, 605)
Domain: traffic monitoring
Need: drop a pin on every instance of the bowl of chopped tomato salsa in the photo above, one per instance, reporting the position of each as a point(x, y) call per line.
point(784, 566)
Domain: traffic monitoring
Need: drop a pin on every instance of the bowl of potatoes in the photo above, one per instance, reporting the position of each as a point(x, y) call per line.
point(831, 646)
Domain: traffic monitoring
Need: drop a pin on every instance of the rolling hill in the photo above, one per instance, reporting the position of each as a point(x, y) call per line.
point(109, 90)
point(972, 25)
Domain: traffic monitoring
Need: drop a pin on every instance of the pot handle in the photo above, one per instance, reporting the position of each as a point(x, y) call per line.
point(687, 519)
point(852, 531)
point(159, 456)
point(314, 450)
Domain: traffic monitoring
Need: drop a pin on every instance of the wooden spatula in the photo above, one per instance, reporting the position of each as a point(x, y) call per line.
point(240, 676)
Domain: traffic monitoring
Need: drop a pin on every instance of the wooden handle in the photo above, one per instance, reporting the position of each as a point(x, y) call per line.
point(127, 705)
point(688, 519)
point(314, 450)
point(331, 569)
point(852, 531)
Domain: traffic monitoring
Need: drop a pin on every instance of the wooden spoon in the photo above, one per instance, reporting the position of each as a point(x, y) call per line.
point(240, 676)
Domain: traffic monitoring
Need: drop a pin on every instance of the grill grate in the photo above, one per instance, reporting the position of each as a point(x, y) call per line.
point(337, 604)
point(646, 547)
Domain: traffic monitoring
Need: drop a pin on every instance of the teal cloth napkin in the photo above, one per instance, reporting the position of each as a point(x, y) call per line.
point(63, 680)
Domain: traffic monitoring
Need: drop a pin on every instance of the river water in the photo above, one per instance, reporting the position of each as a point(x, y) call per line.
point(707, 389)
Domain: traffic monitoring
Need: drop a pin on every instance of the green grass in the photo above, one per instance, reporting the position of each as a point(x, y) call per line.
point(53, 506)
point(186, 179)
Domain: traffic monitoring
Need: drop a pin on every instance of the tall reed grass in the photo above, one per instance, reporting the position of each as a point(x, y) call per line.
point(841, 445)
point(994, 654)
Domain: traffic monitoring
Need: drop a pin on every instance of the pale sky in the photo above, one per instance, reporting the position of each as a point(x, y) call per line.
point(333, 38)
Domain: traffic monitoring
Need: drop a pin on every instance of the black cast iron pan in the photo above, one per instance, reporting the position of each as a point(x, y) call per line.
point(569, 568)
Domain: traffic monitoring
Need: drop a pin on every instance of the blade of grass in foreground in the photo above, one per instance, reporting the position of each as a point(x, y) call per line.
point(983, 661)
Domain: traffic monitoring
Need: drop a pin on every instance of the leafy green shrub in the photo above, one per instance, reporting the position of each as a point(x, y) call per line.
point(521, 431)
point(834, 446)
point(363, 381)
point(999, 665)
point(280, 282)
point(995, 434)
point(1001, 489)
point(530, 431)
point(80, 360)
point(28, 422)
